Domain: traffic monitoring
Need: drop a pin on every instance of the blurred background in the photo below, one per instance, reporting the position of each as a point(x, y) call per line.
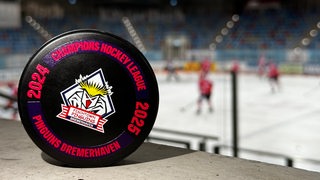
point(240, 46)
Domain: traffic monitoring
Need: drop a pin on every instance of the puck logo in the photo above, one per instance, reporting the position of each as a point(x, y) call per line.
point(88, 102)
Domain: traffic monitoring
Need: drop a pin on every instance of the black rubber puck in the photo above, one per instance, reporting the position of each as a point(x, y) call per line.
point(88, 98)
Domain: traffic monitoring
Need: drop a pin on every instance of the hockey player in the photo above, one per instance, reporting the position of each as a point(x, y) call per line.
point(273, 75)
point(171, 70)
point(205, 65)
point(12, 104)
point(205, 88)
point(261, 66)
point(235, 66)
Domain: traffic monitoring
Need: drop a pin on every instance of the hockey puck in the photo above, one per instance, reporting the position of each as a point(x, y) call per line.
point(88, 98)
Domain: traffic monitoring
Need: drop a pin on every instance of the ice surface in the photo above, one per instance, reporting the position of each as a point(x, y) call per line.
point(284, 122)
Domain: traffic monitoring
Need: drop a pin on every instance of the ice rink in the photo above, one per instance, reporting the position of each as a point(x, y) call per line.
point(285, 122)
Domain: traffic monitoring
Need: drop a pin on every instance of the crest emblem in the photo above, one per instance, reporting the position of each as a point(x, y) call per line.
point(88, 102)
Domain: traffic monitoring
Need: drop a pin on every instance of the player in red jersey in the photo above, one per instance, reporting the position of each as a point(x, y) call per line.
point(205, 65)
point(11, 104)
point(205, 88)
point(235, 66)
point(273, 75)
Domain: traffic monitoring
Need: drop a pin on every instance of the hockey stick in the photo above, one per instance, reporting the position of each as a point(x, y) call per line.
point(187, 106)
point(12, 98)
